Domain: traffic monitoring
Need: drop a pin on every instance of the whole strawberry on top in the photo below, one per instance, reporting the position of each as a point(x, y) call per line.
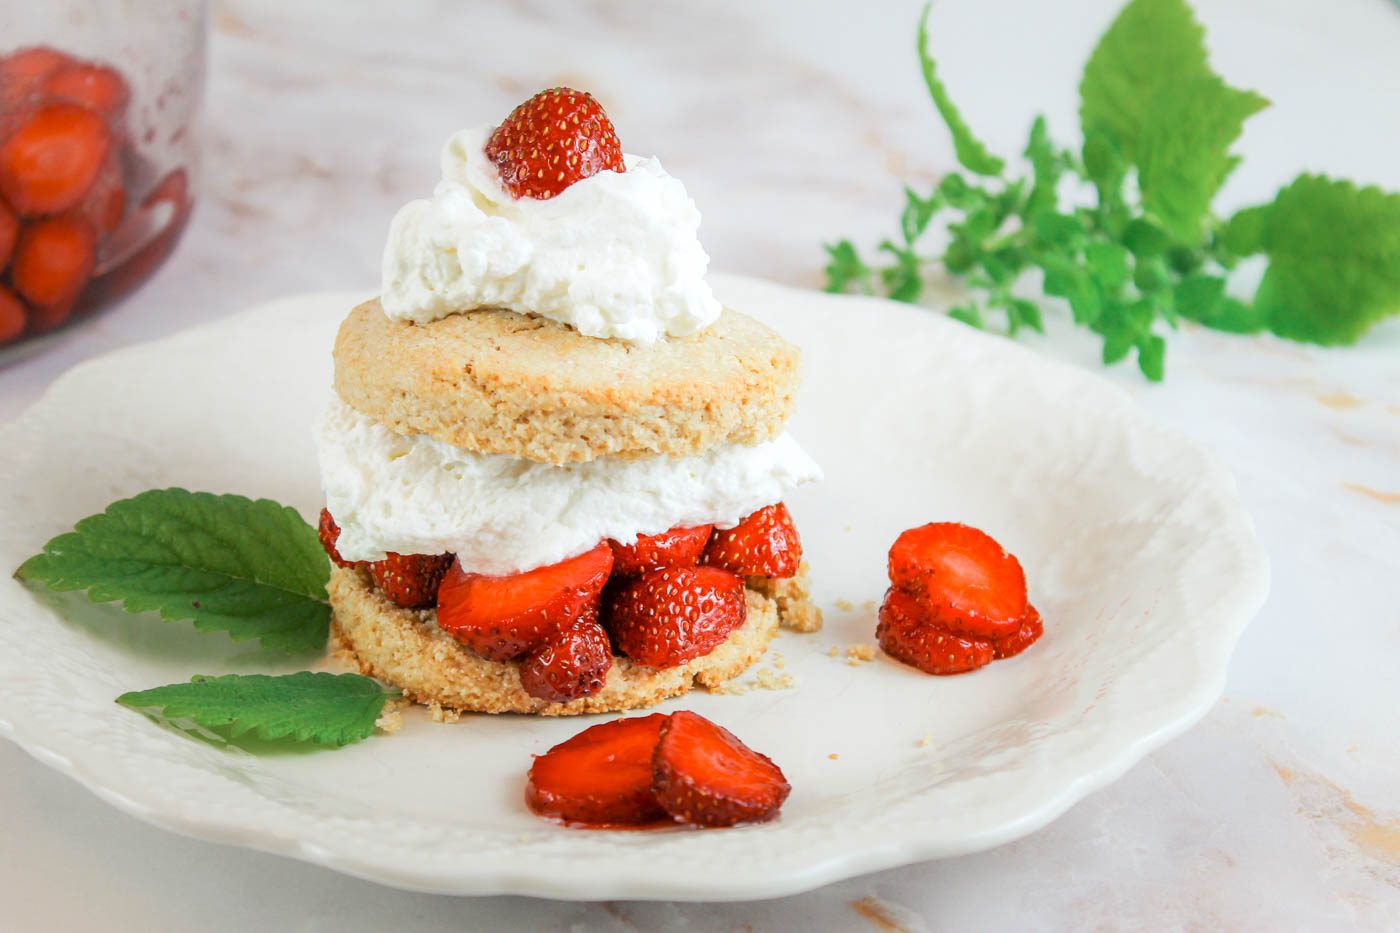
point(554, 139)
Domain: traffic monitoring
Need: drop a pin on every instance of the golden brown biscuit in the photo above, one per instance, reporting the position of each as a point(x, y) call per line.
point(405, 648)
point(506, 383)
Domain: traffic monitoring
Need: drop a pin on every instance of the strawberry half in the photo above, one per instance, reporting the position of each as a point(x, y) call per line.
point(97, 87)
point(974, 586)
point(53, 158)
point(572, 664)
point(504, 617)
point(1031, 629)
point(703, 774)
point(329, 532)
point(763, 545)
point(910, 633)
point(600, 776)
point(53, 260)
point(410, 580)
point(554, 139)
point(9, 232)
point(667, 617)
point(679, 547)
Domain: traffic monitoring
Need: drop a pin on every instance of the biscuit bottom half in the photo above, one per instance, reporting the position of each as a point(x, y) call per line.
point(405, 648)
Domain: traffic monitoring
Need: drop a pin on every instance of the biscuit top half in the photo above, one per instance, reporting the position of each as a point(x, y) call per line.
point(505, 383)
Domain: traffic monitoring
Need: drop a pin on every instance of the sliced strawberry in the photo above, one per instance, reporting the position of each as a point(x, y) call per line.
point(679, 547)
point(53, 260)
point(554, 139)
point(44, 318)
point(763, 545)
point(97, 87)
point(572, 664)
point(910, 633)
point(48, 164)
point(9, 232)
point(410, 580)
point(703, 774)
point(11, 316)
point(973, 584)
point(1031, 629)
point(329, 533)
point(600, 776)
point(667, 617)
point(502, 618)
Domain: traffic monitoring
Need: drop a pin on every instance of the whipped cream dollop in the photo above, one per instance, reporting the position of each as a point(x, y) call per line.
point(613, 255)
point(500, 514)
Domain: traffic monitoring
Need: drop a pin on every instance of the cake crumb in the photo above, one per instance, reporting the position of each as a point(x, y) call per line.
point(834, 757)
point(730, 688)
point(845, 605)
point(868, 605)
point(860, 651)
point(778, 660)
point(927, 740)
point(833, 652)
point(769, 679)
point(391, 717)
point(442, 713)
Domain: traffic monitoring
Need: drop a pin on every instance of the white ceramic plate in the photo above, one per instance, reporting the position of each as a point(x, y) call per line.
point(1138, 554)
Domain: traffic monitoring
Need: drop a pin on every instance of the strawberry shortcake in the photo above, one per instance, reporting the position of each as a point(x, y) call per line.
point(554, 465)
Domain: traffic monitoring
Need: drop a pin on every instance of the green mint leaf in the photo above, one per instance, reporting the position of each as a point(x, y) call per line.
point(1334, 260)
point(1152, 357)
point(845, 268)
point(1144, 238)
point(1027, 313)
point(1047, 165)
point(251, 568)
point(1243, 234)
point(1108, 264)
point(968, 313)
point(971, 153)
point(1105, 165)
point(1184, 156)
point(916, 215)
point(323, 709)
point(904, 280)
point(956, 192)
point(1149, 89)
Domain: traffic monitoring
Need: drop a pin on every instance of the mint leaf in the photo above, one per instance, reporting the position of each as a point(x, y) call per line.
point(324, 709)
point(903, 281)
point(845, 267)
point(1334, 260)
point(1149, 89)
point(251, 568)
point(1185, 156)
point(971, 153)
point(916, 215)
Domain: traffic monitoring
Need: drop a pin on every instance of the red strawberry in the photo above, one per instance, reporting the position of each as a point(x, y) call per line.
point(96, 87)
point(410, 580)
point(600, 776)
point(11, 316)
point(554, 139)
point(105, 203)
point(570, 665)
point(44, 318)
point(1031, 629)
point(703, 774)
point(962, 575)
point(763, 545)
point(909, 633)
point(9, 232)
point(329, 533)
point(502, 618)
point(50, 162)
point(53, 260)
point(666, 617)
point(679, 547)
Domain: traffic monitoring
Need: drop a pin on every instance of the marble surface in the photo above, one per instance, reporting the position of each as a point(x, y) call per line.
point(794, 122)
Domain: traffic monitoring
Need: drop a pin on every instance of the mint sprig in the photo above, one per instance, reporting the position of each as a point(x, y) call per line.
point(1135, 246)
point(251, 568)
point(319, 708)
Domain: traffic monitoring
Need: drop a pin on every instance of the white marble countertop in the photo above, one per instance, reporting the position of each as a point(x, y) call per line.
point(794, 122)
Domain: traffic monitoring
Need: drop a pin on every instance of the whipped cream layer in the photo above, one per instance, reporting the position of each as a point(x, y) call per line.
point(500, 514)
point(613, 255)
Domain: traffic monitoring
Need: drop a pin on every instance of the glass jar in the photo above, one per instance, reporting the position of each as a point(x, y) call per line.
point(99, 101)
